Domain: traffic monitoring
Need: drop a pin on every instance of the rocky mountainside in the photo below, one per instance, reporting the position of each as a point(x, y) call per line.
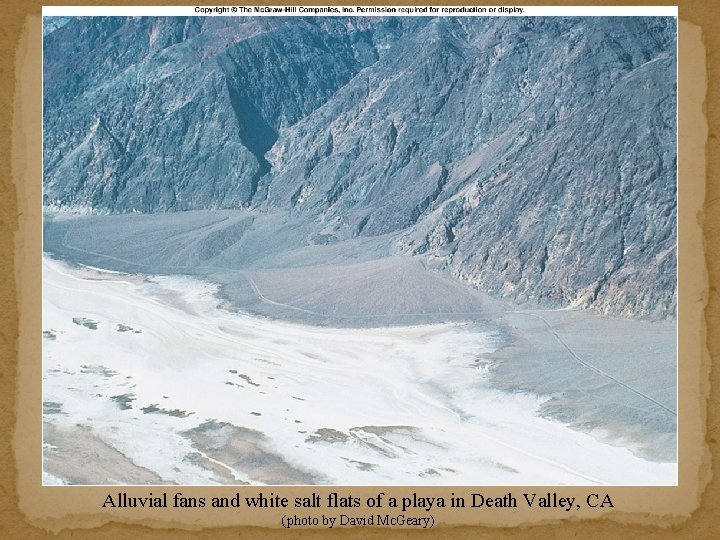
point(156, 114)
point(532, 157)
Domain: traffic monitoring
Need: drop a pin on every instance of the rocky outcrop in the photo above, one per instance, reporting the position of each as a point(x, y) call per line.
point(158, 114)
point(532, 157)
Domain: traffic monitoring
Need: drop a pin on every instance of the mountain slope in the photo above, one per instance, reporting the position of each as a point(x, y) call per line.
point(532, 157)
point(187, 106)
point(528, 171)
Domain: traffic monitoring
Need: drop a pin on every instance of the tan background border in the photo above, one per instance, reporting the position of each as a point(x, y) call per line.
point(20, 271)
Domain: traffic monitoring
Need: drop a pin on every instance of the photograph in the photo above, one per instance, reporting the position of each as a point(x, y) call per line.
point(363, 250)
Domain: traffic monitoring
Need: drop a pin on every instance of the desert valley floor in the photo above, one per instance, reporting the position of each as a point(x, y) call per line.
point(149, 380)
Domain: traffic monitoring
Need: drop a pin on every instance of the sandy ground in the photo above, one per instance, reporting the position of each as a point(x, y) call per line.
point(616, 378)
point(159, 385)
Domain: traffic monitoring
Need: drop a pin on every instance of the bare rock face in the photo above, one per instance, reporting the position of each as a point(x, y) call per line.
point(532, 157)
point(158, 114)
